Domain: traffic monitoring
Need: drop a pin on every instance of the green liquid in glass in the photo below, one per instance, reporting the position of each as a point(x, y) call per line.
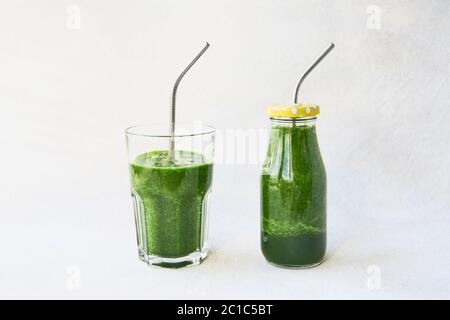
point(172, 194)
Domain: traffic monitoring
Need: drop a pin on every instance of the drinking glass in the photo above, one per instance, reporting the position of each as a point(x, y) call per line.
point(170, 190)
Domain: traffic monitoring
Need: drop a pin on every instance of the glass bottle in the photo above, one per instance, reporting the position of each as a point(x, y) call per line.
point(293, 189)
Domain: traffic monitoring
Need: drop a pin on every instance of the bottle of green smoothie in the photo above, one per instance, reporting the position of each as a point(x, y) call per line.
point(294, 186)
point(293, 189)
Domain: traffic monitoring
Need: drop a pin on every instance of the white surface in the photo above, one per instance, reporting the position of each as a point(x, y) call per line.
point(67, 94)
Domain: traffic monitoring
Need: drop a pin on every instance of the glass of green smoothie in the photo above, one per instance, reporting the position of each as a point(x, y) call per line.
point(170, 191)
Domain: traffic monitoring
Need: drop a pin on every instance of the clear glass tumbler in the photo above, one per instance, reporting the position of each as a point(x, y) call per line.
point(170, 192)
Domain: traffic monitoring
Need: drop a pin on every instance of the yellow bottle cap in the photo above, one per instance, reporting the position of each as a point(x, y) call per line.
point(301, 110)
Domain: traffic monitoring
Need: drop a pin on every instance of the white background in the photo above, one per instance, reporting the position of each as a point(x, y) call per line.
point(67, 94)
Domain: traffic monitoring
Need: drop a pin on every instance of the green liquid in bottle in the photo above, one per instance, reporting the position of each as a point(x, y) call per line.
point(293, 198)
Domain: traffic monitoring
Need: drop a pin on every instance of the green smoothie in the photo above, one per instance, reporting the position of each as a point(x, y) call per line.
point(293, 197)
point(171, 192)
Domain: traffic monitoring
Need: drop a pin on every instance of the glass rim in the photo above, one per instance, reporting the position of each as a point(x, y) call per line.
point(204, 130)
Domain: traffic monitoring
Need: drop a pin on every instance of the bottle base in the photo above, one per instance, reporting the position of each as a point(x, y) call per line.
point(294, 252)
point(296, 267)
point(193, 259)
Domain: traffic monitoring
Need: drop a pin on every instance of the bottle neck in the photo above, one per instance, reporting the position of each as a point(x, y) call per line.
point(292, 146)
point(292, 122)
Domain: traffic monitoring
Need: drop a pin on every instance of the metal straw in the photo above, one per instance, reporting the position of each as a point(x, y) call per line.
point(331, 47)
point(174, 98)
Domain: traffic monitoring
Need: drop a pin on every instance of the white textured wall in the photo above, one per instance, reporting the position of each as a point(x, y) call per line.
point(66, 94)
